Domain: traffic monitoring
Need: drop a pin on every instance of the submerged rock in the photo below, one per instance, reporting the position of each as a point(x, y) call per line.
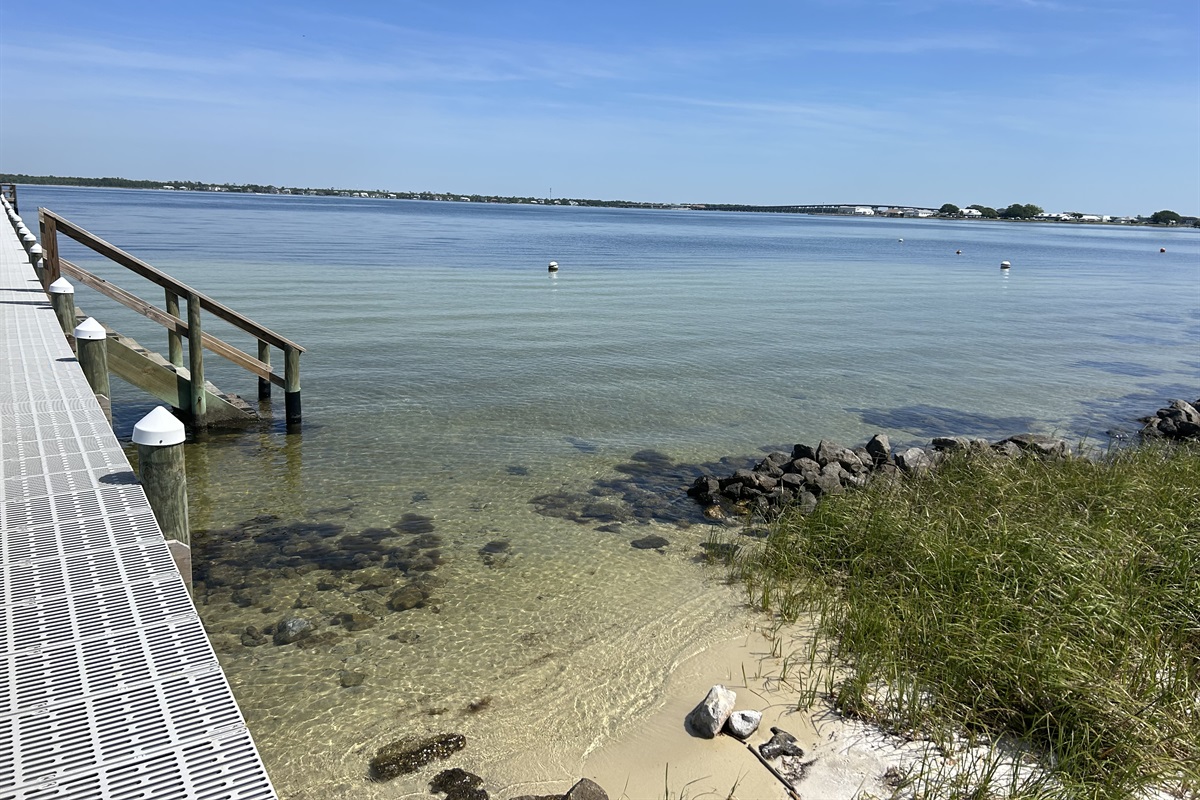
point(411, 753)
point(458, 784)
point(650, 543)
point(292, 629)
point(406, 597)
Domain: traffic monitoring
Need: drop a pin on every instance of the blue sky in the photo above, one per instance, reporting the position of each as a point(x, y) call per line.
point(1075, 106)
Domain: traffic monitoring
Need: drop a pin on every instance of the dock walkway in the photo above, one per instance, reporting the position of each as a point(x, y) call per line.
point(109, 687)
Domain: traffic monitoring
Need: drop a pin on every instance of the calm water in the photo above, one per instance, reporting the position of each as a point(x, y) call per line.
point(450, 381)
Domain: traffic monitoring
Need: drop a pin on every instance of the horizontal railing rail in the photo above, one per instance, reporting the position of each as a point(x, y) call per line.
point(179, 327)
point(172, 323)
point(164, 280)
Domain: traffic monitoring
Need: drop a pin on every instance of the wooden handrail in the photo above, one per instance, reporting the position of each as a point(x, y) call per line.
point(140, 267)
point(171, 323)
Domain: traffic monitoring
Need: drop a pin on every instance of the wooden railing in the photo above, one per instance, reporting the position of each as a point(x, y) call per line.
point(178, 328)
point(9, 191)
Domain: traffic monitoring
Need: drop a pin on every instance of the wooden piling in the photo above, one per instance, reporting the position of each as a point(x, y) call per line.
point(195, 360)
point(35, 260)
point(291, 389)
point(92, 351)
point(264, 355)
point(159, 438)
point(62, 299)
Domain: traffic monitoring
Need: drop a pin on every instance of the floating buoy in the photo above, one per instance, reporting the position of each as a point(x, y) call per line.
point(554, 266)
point(1005, 265)
point(902, 240)
point(958, 252)
point(1162, 249)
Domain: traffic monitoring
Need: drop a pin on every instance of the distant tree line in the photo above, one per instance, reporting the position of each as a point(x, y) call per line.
point(1029, 211)
point(1014, 211)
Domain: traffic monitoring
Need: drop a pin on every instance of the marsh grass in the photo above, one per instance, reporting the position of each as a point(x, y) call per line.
point(1056, 603)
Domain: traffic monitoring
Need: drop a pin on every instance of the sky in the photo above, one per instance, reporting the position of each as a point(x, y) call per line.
point(1072, 105)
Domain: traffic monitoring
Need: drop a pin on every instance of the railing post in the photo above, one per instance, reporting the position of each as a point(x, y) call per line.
point(291, 388)
point(51, 271)
point(174, 340)
point(62, 298)
point(264, 385)
point(195, 360)
point(92, 352)
point(159, 438)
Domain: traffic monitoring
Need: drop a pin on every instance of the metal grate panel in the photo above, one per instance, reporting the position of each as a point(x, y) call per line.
point(224, 767)
point(49, 743)
point(41, 676)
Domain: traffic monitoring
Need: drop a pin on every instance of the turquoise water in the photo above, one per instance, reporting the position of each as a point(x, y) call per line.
point(450, 380)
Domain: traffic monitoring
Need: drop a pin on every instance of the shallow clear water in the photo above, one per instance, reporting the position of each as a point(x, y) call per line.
point(451, 379)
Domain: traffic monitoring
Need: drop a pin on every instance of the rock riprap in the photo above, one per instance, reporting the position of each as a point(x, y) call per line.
point(1179, 420)
point(809, 473)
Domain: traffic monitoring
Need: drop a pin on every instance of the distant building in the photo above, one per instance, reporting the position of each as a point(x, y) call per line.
point(863, 211)
point(971, 212)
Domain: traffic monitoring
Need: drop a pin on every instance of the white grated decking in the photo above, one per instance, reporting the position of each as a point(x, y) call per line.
point(108, 685)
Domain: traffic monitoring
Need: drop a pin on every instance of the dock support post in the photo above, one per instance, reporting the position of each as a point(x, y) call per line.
point(62, 299)
point(291, 389)
point(195, 360)
point(159, 438)
point(264, 385)
point(35, 260)
point(174, 340)
point(92, 350)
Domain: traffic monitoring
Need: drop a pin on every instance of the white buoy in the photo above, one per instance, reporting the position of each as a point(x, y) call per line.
point(902, 240)
point(1005, 265)
point(554, 266)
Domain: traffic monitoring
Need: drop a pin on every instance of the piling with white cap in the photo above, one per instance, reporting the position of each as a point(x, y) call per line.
point(92, 351)
point(35, 260)
point(62, 298)
point(159, 437)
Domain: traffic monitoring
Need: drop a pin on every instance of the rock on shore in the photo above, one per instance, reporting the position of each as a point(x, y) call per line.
point(1179, 421)
point(808, 473)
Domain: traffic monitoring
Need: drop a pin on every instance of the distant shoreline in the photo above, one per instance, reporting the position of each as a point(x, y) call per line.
point(381, 194)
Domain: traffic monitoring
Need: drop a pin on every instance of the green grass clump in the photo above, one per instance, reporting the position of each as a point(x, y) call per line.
point(1057, 602)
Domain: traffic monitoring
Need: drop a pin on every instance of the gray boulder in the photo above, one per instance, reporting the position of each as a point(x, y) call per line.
point(743, 724)
point(585, 790)
point(880, 448)
point(914, 460)
point(707, 719)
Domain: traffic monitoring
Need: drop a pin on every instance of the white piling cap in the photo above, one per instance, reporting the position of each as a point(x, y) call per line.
point(62, 286)
point(159, 428)
point(27, 235)
point(90, 330)
point(35, 249)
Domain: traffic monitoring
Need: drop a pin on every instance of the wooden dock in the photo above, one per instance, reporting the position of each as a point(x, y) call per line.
point(109, 687)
